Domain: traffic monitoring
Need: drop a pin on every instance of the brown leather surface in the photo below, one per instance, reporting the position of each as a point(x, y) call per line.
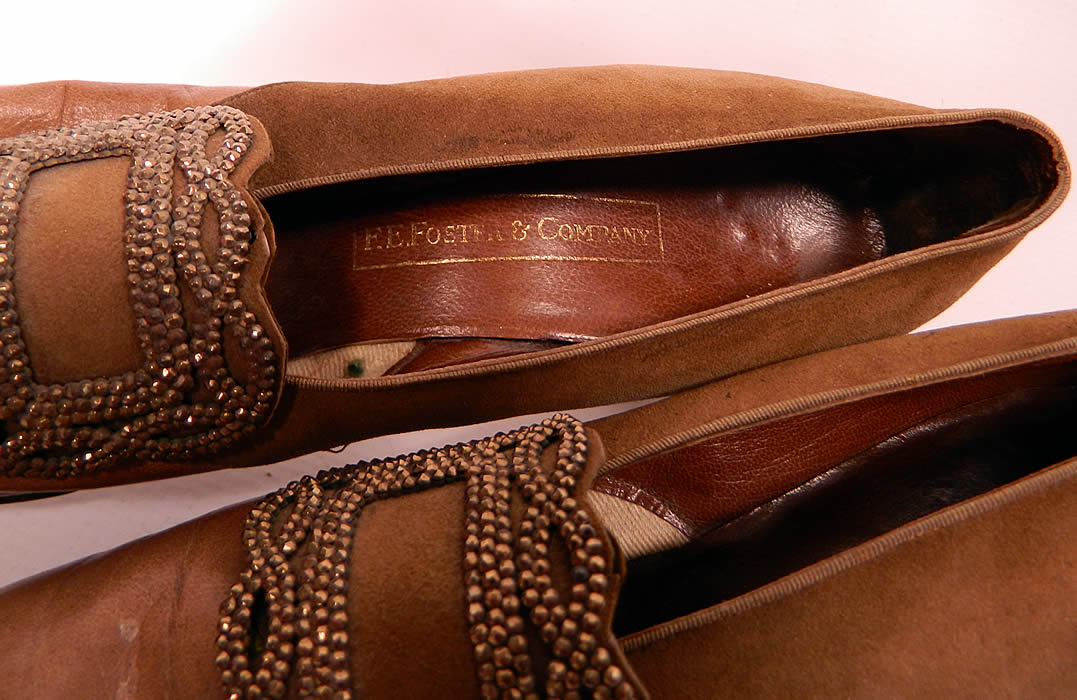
point(36, 106)
point(584, 249)
point(136, 623)
point(701, 486)
point(559, 256)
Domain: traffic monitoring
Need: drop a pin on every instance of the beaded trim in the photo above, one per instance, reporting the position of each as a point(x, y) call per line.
point(284, 627)
point(183, 402)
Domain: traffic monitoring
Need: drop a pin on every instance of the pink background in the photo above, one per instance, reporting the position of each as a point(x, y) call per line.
point(941, 53)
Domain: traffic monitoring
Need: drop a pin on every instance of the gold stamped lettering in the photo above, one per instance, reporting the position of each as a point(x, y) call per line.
point(542, 232)
point(560, 227)
point(371, 235)
point(547, 228)
point(417, 228)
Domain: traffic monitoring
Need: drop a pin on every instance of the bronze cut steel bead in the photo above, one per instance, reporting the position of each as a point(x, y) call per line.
point(296, 585)
point(130, 413)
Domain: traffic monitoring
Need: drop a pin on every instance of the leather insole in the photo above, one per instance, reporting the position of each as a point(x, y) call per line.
point(975, 440)
point(561, 252)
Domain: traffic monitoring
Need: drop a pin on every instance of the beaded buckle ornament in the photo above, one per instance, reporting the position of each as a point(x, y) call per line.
point(183, 401)
point(284, 628)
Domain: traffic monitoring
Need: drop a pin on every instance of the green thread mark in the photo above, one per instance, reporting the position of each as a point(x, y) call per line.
point(355, 368)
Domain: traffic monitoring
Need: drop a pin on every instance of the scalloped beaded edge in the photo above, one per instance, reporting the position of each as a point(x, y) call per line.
point(296, 586)
point(183, 402)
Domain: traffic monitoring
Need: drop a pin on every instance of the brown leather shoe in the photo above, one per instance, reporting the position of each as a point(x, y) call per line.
point(454, 251)
point(895, 518)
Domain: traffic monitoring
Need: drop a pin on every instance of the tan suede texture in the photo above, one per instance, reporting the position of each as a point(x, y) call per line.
point(835, 370)
point(136, 623)
point(506, 118)
point(141, 621)
point(71, 281)
point(416, 575)
point(530, 116)
point(979, 608)
point(409, 598)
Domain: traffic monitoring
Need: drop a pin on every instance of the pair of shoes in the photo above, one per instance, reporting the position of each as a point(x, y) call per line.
point(895, 517)
point(518, 243)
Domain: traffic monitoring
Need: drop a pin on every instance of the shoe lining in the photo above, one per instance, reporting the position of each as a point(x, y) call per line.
point(964, 451)
point(555, 253)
